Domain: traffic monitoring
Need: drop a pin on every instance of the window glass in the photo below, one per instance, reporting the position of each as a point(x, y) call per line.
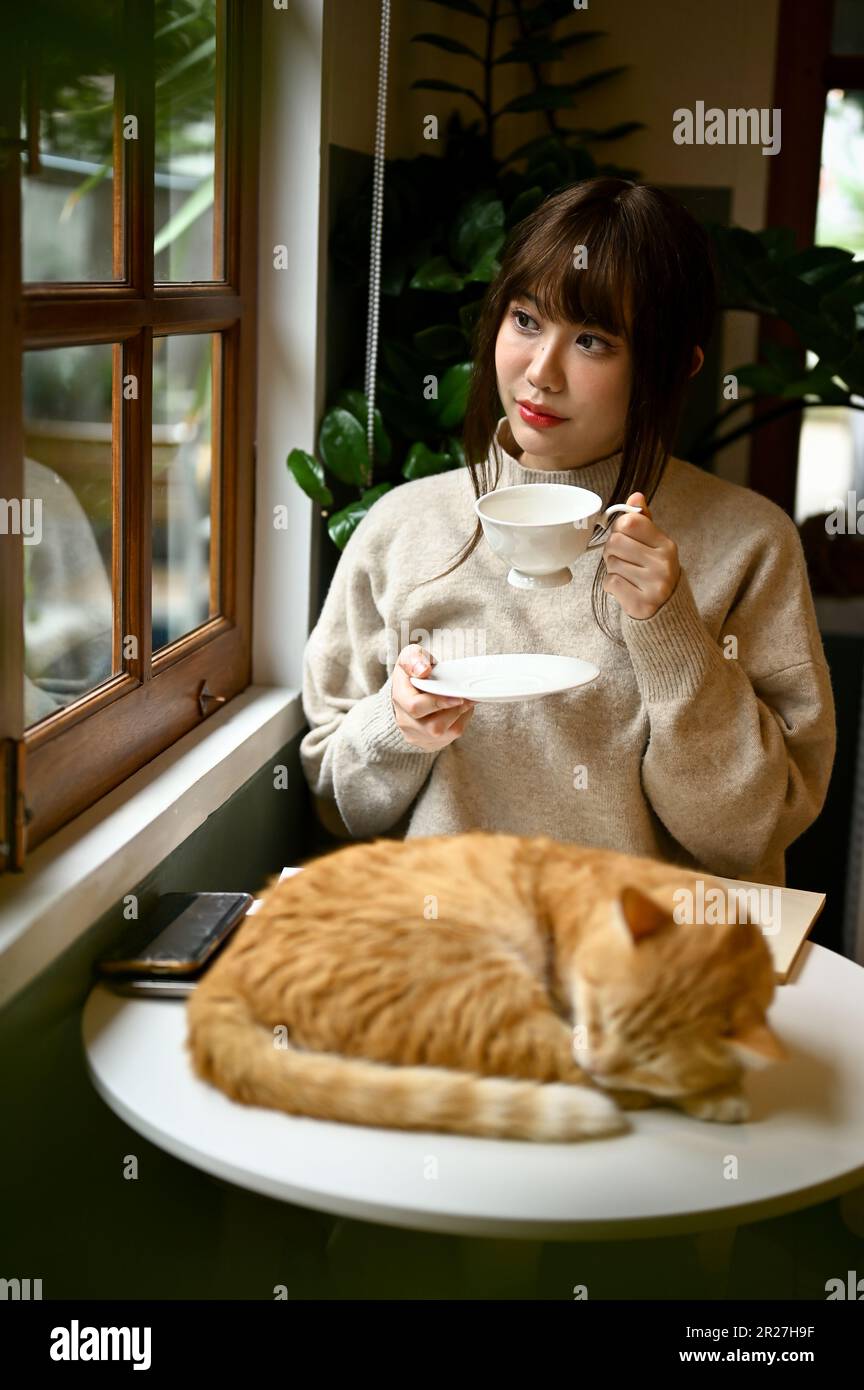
point(182, 478)
point(67, 548)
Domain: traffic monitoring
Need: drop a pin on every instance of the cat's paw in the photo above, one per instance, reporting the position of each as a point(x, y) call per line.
point(579, 1112)
point(728, 1106)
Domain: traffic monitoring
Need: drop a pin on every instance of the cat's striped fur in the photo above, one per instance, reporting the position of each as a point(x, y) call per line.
point(435, 983)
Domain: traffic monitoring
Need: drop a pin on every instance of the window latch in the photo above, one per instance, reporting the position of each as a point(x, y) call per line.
point(206, 701)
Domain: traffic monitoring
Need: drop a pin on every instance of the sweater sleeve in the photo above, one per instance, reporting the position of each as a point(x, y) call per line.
point(354, 752)
point(741, 748)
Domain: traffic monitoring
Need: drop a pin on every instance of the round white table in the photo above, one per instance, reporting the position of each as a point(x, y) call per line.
point(670, 1175)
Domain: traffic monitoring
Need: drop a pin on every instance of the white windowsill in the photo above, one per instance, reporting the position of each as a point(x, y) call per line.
point(78, 873)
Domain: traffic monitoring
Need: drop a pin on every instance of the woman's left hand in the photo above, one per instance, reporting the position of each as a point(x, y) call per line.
point(641, 561)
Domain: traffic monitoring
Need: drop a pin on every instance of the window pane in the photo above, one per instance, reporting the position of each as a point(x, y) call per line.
point(840, 210)
point(67, 560)
point(848, 35)
point(182, 476)
point(831, 450)
point(68, 201)
point(187, 104)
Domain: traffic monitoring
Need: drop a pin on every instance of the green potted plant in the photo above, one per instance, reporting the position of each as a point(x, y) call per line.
point(444, 223)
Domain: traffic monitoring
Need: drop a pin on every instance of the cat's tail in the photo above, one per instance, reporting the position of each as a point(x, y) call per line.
point(252, 1063)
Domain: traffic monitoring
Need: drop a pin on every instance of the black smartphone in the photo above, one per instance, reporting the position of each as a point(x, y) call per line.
point(149, 987)
point(179, 937)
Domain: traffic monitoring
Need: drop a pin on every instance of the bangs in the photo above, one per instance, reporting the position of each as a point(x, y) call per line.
point(597, 294)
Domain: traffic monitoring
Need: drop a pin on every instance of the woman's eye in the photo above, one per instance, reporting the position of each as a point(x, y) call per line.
point(594, 337)
point(599, 345)
point(521, 314)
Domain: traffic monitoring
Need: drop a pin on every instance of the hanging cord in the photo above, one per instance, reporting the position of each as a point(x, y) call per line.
point(377, 219)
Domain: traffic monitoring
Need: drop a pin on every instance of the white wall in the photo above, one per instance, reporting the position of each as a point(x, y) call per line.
point(294, 113)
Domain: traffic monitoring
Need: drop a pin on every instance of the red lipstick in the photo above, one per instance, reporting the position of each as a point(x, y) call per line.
point(541, 418)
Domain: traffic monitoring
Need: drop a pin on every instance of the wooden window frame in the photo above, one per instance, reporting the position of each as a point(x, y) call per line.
point(58, 767)
point(805, 71)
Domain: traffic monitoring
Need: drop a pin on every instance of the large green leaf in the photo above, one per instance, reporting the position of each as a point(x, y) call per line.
point(356, 402)
point(310, 475)
point(470, 234)
point(199, 200)
point(453, 395)
point(204, 50)
point(851, 370)
point(584, 36)
point(342, 446)
point(449, 45)
point(554, 95)
point(786, 360)
point(436, 84)
point(436, 274)
point(342, 524)
point(825, 333)
point(785, 377)
point(541, 144)
point(846, 296)
point(422, 463)
point(817, 382)
point(744, 267)
point(830, 276)
point(547, 175)
point(545, 98)
point(455, 449)
point(814, 259)
point(408, 412)
point(441, 341)
point(394, 273)
point(528, 200)
point(760, 377)
point(486, 266)
point(779, 242)
point(407, 367)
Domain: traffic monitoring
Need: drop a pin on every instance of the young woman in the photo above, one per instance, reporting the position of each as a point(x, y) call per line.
point(709, 736)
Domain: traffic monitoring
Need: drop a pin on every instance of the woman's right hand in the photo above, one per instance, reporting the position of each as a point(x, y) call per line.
point(428, 721)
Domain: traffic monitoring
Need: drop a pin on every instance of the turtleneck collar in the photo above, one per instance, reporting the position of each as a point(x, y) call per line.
point(599, 477)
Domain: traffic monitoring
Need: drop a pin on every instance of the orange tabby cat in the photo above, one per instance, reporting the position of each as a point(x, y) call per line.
point(456, 983)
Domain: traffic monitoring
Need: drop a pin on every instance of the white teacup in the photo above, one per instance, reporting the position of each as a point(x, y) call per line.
point(539, 529)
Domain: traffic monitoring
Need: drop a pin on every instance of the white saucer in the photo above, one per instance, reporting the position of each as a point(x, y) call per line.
point(510, 676)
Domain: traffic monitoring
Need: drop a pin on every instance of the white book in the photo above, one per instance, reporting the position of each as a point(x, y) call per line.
point(799, 909)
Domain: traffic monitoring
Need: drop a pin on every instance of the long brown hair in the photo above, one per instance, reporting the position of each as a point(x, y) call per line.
point(645, 252)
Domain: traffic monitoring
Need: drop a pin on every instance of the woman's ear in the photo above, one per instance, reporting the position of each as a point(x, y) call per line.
point(698, 359)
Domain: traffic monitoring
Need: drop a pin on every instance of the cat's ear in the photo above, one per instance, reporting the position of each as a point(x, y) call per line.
point(756, 1046)
point(638, 914)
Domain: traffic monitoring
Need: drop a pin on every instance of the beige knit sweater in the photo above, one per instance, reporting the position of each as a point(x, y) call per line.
point(677, 750)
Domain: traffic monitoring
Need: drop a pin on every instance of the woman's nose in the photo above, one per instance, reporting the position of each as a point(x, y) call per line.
point(545, 375)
